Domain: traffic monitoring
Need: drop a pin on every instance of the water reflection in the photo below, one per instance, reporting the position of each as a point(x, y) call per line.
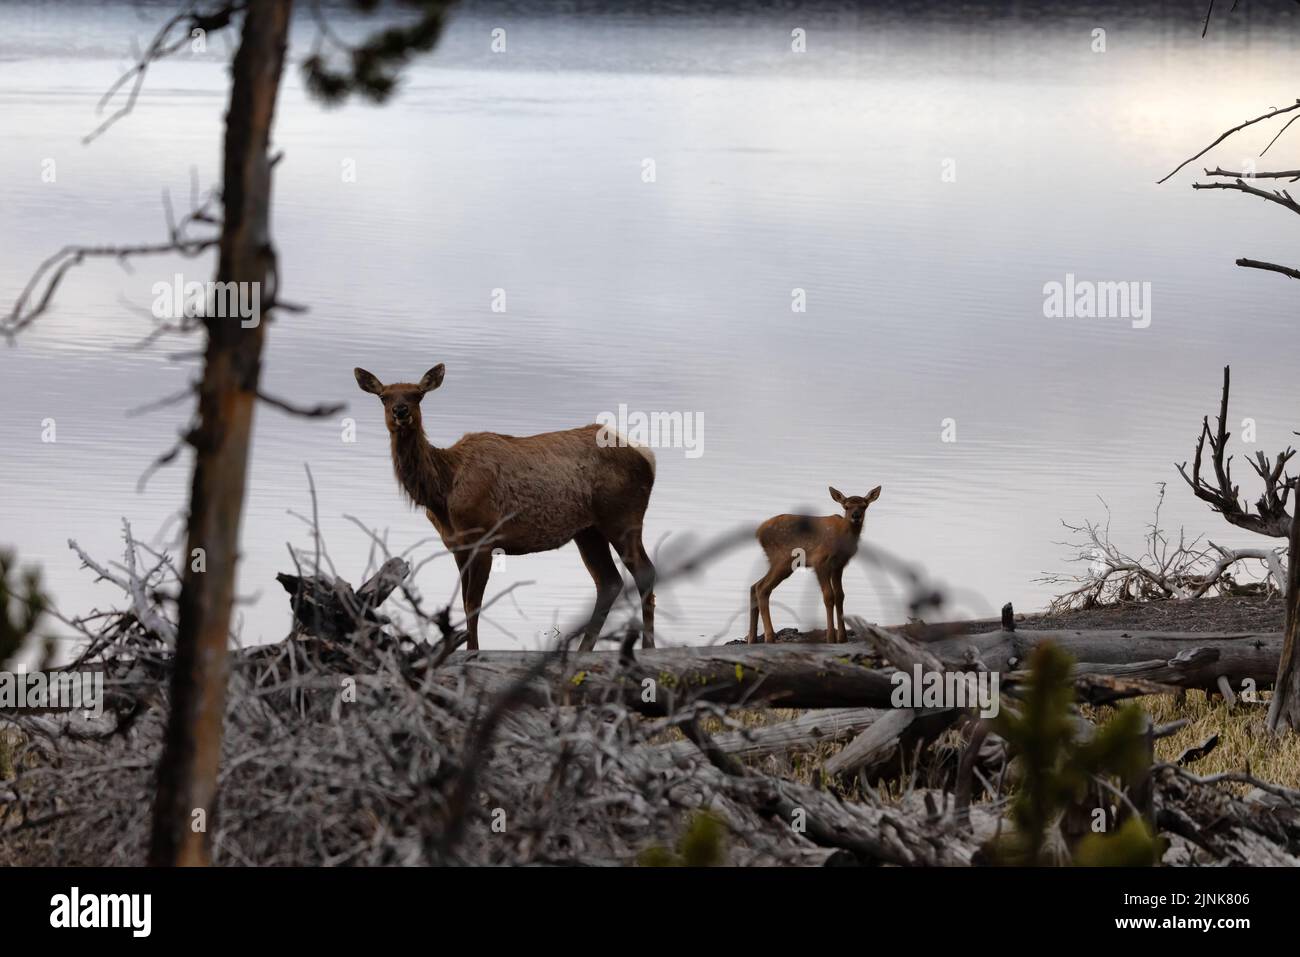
point(918, 176)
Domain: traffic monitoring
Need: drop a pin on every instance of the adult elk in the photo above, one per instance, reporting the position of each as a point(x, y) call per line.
point(523, 495)
point(824, 543)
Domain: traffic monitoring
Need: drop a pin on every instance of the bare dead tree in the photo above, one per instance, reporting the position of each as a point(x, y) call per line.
point(1284, 709)
point(1270, 516)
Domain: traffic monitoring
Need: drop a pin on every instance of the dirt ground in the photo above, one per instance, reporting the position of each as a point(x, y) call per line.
point(1235, 614)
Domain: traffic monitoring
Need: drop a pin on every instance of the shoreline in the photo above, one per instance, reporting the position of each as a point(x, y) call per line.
point(1235, 613)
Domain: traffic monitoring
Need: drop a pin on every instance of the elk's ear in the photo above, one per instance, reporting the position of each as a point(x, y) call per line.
point(873, 495)
point(837, 495)
point(368, 382)
point(433, 378)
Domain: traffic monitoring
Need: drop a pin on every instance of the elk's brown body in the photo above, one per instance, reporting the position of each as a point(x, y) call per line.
point(523, 494)
point(824, 543)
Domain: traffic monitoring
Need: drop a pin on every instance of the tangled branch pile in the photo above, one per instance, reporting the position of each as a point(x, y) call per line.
point(1165, 569)
point(362, 758)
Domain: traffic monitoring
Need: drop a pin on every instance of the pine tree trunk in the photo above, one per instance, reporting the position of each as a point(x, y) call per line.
point(185, 811)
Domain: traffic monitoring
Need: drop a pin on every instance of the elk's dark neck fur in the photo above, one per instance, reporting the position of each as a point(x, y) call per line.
point(423, 471)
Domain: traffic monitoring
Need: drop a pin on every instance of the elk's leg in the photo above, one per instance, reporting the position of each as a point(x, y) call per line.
point(779, 572)
point(600, 563)
point(828, 600)
point(752, 635)
point(643, 571)
point(634, 556)
point(837, 589)
point(474, 570)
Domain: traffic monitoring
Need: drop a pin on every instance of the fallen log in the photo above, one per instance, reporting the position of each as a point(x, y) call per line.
point(890, 743)
point(1182, 659)
point(820, 726)
point(1240, 656)
point(659, 680)
point(884, 748)
point(793, 676)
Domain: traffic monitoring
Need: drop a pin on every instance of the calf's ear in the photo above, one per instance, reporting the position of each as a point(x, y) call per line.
point(873, 495)
point(837, 495)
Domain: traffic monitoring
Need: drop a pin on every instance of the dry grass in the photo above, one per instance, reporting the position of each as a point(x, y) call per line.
point(1243, 739)
point(1244, 742)
point(7, 744)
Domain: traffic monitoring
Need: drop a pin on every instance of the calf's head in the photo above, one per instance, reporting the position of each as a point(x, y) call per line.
point(855, 506)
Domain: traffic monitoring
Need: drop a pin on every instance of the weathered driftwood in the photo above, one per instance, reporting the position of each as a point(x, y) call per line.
point(1213, 826)
point(886, 746)
point(848, 676)
point(819, 726)
point(892, 743)
point(659, 680)
point(329, 608)
point(665, 678)
point(895, 648)
point(1240, 655)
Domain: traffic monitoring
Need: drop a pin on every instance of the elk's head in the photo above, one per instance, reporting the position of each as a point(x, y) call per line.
point(855, 506)
point(401, 399)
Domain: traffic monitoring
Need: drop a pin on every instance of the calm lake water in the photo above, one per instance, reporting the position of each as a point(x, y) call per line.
point(919, 176)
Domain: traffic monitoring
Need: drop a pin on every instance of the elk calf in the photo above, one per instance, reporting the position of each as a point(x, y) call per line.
point(824, 543)
point(522, 495)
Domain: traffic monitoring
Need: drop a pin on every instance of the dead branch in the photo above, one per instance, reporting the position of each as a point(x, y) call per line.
point(1279, 196)
point(37, 295)
point(1288, 271)
point(1236, 129)
point(160, 47)
point(1271, 517)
